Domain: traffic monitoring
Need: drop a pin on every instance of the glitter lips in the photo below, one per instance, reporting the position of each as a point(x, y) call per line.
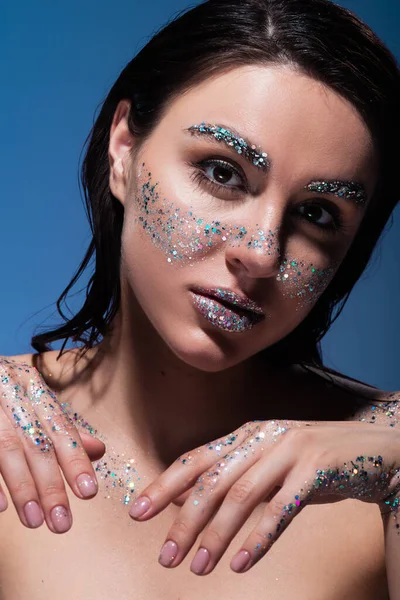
point(226, 309)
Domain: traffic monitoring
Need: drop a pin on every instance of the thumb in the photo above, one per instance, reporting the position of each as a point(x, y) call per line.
point(94, 447)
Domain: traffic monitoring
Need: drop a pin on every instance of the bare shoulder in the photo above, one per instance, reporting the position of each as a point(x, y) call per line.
point(19, 359)
point(328, 378)
point(58, 370)
point(335, 396)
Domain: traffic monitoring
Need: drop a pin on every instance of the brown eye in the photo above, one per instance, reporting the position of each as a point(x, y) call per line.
point(222, 173)
point(219, 178)
point(325, 216)
point(317, 214)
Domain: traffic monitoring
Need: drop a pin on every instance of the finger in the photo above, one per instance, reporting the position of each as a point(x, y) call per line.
point(35, 452)
point(180, 500)
point(246, 493)
point(58, 425)
point(93, 447)
point(278, 515)
point(32, 406)
point(184, 472)
point(239, 482)
point(17, 476)
point(50, 487)
point(3, 501)
point(40, 458)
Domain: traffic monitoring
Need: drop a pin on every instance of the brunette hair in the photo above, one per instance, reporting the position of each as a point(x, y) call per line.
point(316, 37)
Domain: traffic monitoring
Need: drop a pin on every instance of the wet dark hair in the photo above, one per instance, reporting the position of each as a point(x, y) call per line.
point(316, 37)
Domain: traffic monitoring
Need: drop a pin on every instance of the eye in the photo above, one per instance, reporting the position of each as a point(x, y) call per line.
point(326, 216)
point(220, 176)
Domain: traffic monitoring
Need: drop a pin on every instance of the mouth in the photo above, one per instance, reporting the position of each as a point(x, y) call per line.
point(226, 309)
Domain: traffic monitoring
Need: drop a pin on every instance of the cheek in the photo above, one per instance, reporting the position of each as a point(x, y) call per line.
point(185, 237)
point(303, 281)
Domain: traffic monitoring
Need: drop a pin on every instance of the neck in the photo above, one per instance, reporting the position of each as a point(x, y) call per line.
point(165, 405)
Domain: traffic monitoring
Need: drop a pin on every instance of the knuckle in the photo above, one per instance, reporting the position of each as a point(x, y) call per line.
point(60, 423)
point(10, 442)
point(23, 487)
point(297, 436)
point(43, 447)
point(259, 542)
point(276, 505)
point(158, 489)
point(180, 529)
point(258, 537)
point(54, 488)
point(241, 492)
point(78, 464)
point(212, 535)
point(293, 434)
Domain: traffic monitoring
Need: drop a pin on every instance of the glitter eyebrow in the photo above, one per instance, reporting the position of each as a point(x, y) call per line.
point(349, 190)
point(232, 138)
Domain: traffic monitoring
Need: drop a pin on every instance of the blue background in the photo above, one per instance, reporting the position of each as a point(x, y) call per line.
point(58, 61)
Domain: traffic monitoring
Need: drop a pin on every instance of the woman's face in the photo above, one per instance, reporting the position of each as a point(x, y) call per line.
point(228, 243)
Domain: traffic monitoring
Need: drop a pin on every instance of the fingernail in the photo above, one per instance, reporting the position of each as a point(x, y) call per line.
point(87, 485)
point(200, 561)
point(140, 507)
point(33, 514)
point(240, 561)
point(60, 519)
point(168, 553)
point(3, 502)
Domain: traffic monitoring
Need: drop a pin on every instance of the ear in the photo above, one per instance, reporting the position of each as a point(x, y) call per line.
point(121, 142)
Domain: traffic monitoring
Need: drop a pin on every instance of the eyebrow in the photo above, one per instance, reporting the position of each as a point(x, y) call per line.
point(232, 138)
point(348, 190)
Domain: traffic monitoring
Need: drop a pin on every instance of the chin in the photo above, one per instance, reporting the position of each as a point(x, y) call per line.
point(209, 351)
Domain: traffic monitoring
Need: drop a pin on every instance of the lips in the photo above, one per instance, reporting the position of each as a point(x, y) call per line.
point(226, 309)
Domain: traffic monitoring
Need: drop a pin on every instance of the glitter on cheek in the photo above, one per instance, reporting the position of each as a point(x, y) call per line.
point(185, 237)
point(302, 281)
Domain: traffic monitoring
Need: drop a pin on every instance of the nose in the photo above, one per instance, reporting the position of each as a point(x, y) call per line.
point(255, 254)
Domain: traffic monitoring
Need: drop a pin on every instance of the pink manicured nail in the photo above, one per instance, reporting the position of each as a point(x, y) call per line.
point(140, 507)
point(168, 553)
point(200, 561)
point(240, 561)
point(87, 485)
point(33, 514)
point(60, 519)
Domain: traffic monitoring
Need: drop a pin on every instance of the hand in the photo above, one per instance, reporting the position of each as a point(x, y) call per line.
point(36, 438)
point(313, 462)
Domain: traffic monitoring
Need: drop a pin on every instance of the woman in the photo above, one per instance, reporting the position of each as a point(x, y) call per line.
point(238, 177)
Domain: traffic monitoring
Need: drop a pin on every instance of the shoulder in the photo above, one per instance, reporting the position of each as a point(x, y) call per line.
point(325, 377)
point(26, 360)
point(57, 370)
point(327, 394)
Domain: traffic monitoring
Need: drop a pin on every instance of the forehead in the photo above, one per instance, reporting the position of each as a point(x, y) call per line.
point(306, 127)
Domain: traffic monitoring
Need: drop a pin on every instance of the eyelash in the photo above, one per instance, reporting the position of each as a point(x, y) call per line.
point(199, 177)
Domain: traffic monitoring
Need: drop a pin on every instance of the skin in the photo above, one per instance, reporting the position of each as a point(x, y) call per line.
point(179, 381)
